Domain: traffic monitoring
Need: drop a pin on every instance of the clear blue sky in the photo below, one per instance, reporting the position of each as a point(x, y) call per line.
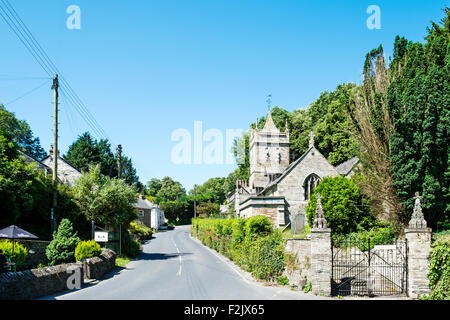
point(146, 68)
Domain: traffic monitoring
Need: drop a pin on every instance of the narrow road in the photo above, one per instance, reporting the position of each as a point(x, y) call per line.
point(173, 266)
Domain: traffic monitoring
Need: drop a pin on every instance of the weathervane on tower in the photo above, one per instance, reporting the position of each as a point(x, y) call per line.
point(269, 102)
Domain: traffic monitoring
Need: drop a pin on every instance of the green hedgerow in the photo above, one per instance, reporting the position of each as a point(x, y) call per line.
point(87, 249)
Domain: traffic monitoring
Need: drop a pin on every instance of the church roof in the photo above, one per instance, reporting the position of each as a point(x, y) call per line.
point(290, 167)
point(270, 125)
point(346, 167)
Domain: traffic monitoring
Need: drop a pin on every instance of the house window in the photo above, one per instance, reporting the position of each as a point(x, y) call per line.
point(310, 184)
point(141, 213)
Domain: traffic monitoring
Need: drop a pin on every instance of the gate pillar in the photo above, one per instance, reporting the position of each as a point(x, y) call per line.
point(419, 247)
point(321, 253)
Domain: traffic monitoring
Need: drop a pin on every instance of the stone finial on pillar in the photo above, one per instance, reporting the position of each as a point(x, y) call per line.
point(417, 220)
point(321, 254)
point(419, 249)
point(319, 221)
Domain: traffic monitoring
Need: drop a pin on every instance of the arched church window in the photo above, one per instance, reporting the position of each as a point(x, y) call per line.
point(310, 184)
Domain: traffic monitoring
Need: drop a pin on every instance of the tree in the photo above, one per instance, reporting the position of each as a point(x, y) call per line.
point(344, 207)
point(170, 190)
point(207, 209)
point(104, 200)
point(83, 153)
point(153, 186)
point(215, 187)
point(20, 133)
point(86, 151)
point(62, 248)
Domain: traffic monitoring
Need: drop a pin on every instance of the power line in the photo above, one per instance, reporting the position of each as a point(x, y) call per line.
point(17, 25)
point(27, 93)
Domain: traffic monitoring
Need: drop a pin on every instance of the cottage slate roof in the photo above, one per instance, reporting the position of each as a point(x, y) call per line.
point(144, 204)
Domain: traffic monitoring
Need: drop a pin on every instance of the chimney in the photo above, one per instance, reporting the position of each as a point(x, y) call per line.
point(51, 151)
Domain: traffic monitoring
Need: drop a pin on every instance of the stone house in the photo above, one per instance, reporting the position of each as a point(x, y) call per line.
point(149, 213)
point(67, 174)
point(277, 188)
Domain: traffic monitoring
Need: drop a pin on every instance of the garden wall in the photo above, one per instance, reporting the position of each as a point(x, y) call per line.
point(298, 265)
point(35, 283)
point(39, 256)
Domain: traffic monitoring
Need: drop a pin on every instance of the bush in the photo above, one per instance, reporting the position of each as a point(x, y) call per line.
point(140, 231)
point(283, 281)
point(258, 225)
point(250, 243)
point(267, 257)
point(377, 235)
point(87, 249)
point(20, 252)
point(62, 248)
point(131, 248)
point(344, 207)
point(439, 273)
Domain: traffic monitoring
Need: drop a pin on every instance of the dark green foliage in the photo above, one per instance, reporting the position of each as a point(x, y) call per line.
point(20, 133)
point(344, 207)
point(62, 248)
point(87, 249)
point(419, 102)
point(86, 151)
point(215, 188)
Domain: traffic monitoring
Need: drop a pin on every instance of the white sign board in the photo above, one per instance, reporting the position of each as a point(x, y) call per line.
point(101, 236)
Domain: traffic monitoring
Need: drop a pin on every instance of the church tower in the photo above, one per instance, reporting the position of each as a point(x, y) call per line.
point(269, 154)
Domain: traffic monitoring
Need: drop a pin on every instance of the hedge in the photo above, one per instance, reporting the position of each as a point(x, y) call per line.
point(250, 243)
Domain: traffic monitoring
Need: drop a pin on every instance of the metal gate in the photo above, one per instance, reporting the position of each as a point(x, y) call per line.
point(360, 268)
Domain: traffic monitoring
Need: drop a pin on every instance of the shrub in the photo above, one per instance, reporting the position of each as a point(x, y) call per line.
point(87, 249)
point(20, 252)
point(344, 207)
point(140, 231)
point(267, 257)
point(250, 243)
point(283, 281)
point(61, 249)
point(377, 236)
point(131, 248)
point(439, 273)
point(258, 225)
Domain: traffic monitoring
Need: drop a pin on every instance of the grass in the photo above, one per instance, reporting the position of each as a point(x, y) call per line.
point(122, 261)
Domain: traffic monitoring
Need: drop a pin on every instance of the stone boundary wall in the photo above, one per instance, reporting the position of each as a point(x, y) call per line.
point(35, 283)
point(300, 272)
point(97, 267)
point(39, 256)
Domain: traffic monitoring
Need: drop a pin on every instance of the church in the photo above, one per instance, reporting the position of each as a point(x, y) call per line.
point(277, 188)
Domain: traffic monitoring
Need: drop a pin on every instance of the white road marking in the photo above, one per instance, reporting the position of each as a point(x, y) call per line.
point(179, 258)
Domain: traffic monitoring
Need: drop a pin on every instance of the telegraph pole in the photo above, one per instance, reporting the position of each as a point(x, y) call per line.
point(119, 176)
point(119, 161)
point(195, 202)
point(55, 150)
